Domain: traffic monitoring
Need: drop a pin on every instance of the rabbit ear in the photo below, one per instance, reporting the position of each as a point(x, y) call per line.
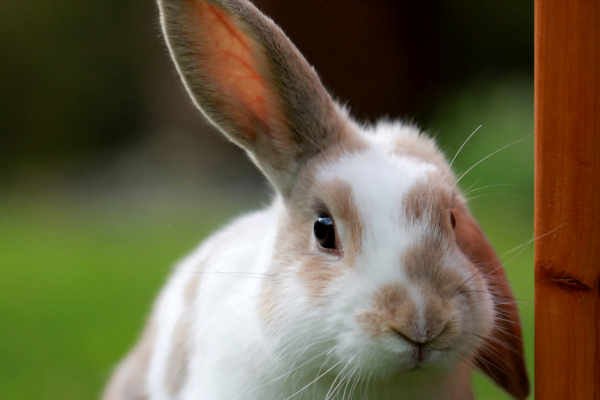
point(501, 357)
point(251, 82)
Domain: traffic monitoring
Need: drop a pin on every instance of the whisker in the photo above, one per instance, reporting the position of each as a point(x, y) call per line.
point(504, 344)
point(331, 393)
point(486, 157)
point(521, 302)
point(486, 346)
point(238, 274)
point(339, 375)
point(532, 240)
point(500, 329)
point(526, 244)
point(461, 147)
point(355, 383)
point(488, 194)
point(316, 379)
point(487, 363)
point(288, 373)
point(473, 184)
point(489, 186)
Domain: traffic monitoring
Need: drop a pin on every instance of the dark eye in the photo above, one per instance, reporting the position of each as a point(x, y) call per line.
point(325, 232)
point(452, 220)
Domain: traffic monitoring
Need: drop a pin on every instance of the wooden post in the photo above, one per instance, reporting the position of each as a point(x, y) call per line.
point(567, 199)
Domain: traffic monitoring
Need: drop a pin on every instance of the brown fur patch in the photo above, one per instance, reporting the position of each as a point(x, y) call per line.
point(338, 196)
point(317, 273)
point(318, 269)
point(129, 379)
point(296, 244)
point(417, 144)
point(424, 262)
point(429, 200)
point(393, 310)
point(429, 203)
point(351, 142)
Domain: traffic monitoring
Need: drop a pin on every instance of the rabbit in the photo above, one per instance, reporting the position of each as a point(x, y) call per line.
point(367, 276)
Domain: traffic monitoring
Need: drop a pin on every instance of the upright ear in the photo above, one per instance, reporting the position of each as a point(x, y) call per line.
point(501, 357)
point(251, 82)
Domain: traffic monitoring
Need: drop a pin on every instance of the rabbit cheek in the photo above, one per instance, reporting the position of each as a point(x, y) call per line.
point(317, 274)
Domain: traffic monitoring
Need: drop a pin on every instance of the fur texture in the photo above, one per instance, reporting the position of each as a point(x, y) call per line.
point(403, 306)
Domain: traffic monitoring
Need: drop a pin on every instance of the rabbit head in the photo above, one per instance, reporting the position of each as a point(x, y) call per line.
point(376, 259)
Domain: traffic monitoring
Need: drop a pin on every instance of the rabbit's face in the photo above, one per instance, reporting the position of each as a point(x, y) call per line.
point(368, 263)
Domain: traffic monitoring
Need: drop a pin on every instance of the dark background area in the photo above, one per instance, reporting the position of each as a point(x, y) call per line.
point(108, 174)
point(81, 80)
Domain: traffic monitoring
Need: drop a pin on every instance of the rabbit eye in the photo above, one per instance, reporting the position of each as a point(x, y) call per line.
point(452, 220)
point(325, 232)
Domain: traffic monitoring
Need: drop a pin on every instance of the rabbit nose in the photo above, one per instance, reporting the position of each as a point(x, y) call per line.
point(418, 337)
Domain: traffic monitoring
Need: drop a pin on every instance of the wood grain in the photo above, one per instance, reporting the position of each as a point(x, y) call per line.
point(567, 199)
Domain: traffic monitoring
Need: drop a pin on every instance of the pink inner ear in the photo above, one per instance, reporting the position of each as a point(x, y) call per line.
point(231, 60)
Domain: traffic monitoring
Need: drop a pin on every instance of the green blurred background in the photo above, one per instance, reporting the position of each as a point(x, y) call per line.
point(108, 175)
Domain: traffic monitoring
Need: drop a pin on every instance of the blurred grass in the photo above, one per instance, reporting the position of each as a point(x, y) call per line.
point(78, 278)
point(77, 283)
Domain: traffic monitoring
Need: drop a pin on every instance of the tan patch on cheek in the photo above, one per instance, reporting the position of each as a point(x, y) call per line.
point(317, 274)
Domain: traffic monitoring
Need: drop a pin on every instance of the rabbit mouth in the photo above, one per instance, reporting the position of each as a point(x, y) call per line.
point(419, 358)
